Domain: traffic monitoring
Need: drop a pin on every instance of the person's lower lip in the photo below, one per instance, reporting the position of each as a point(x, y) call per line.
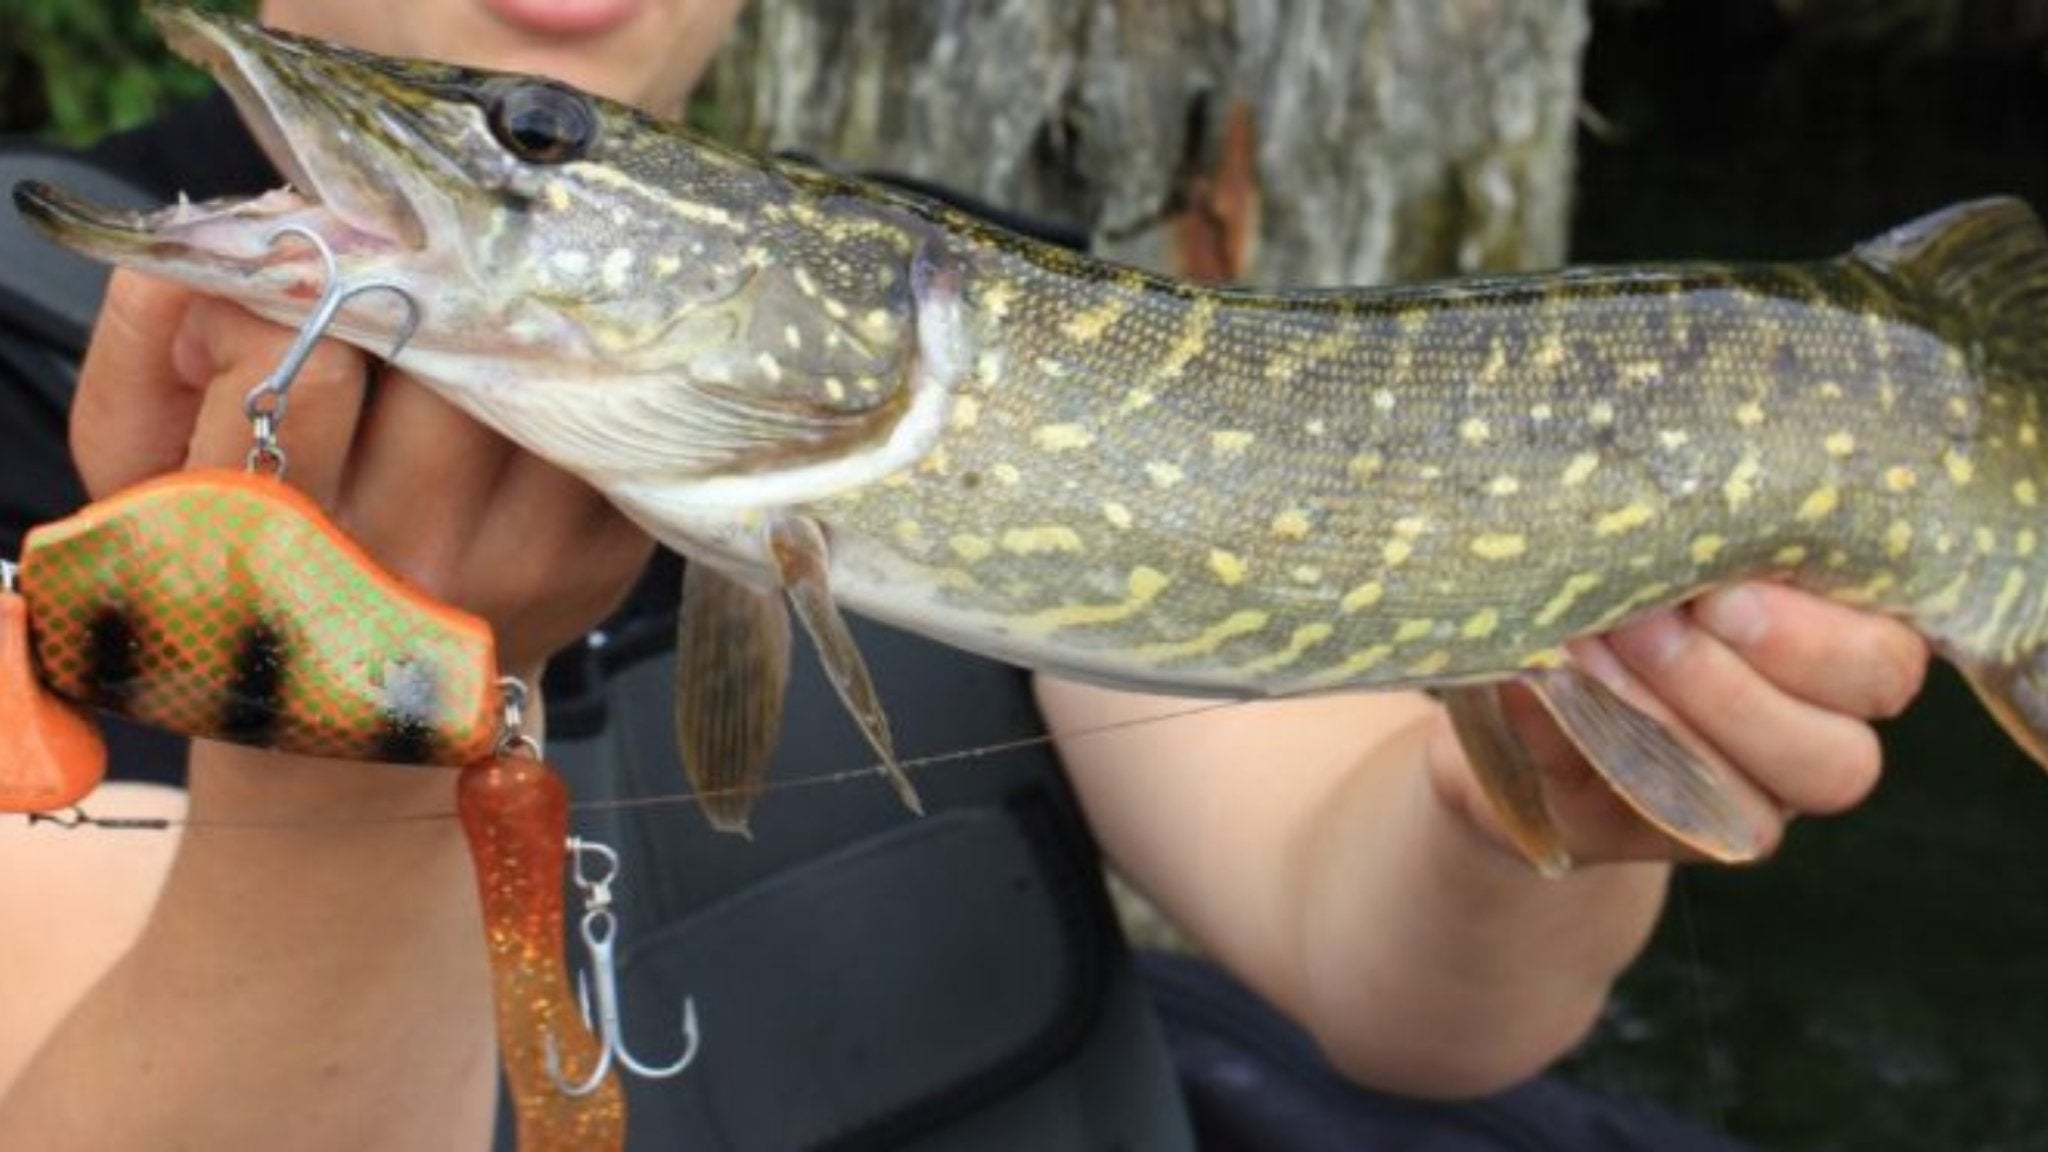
point(564, 17)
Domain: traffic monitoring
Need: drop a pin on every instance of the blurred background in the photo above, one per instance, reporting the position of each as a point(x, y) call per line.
point(1878, 986)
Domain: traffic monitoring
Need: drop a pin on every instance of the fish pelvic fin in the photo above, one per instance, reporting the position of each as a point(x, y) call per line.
point(732, 673)
point(1508, 776)
point(1987, 262)
point(1689, 793)
point(2015, 692)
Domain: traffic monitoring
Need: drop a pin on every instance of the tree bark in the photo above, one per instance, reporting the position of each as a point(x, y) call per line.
point(1299, 142)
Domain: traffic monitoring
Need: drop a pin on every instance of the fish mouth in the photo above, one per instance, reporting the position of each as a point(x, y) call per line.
point(315, 113)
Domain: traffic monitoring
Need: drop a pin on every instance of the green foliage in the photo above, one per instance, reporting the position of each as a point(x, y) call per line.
point(75, 70)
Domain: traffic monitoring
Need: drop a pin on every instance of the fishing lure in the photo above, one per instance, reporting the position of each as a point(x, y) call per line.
point(51, 754)
point(515, 812)
point(225, 605)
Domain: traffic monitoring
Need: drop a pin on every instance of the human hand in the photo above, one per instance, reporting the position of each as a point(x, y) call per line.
point(441, 501)
point(1780, 683)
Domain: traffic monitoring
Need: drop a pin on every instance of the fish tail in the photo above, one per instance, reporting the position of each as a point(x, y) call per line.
point(1985, 264)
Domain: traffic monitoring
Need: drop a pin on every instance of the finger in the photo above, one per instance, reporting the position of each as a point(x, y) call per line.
point(421, 482)
point(235, 351)
point(1837, 657)
point(1811, 758)
point(133, 414)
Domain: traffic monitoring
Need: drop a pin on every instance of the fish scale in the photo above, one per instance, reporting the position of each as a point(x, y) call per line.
point(827, 393)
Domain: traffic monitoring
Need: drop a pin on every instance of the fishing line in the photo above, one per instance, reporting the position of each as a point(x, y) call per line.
point(78, 820)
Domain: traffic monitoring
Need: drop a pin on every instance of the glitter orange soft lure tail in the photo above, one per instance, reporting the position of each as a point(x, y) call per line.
point(516, 814)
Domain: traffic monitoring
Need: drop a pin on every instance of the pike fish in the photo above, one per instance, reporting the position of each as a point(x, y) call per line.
point(829, 394)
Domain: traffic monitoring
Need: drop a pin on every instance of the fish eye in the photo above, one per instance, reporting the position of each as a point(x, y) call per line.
point(542, 123)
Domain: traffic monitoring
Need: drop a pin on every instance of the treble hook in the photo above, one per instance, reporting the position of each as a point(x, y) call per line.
point(599, 931)
point(265, 404)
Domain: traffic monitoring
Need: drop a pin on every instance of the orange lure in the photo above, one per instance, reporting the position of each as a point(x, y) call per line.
point(226, 605)
point(516, 814)
point(50, 752)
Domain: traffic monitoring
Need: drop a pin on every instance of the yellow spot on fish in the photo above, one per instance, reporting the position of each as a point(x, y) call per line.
point(1007, 474)
point(1229, 567)
point(1624, 519)
point(769, 366)
point(2026, 493)
point(1362, 597)
point(1551, 352)
point(2024, 541)
point(1396, 552)
point(1136, 400)
point(1411, 320)
point(1503, 486)
point(1366, 465)
point(911, 533)
point(971, 548)
point(2029, 435)
point(1383, 399)
point(1412, 630)
point(1575, 586)
point(1706, 548)
point(1898, 539)
point(1840, 444)
point(1820, 503)
point(1040, 539)
point(1866, 592)
point(557, 195)
point(835, 389)
point(1672, 439)
point(1750, 414)
point(1214, 637)
point(1961, 469)
point(1474, 431)
point(1499, 546)
point(1232, 442)
point(1316, 427)
point(1194, 336)
point(1093, 323)
point(1641, 372)
point(1358, 663)
point(1791, 556)
point(1986, 540)
point(997, 298)
point(1600, 414)
point(666, 266)
point(1482, 624)
point(1581, 467)
point(1305, 637)
point(1306, 574)
point(1164, 474)
point(1948, 599)
point(1431, 664)
point(1291, 524)
point(617, 267)
point(1410, 527)
point(1062, 437)
point(966, 412)
point(1900, 478)
point(1116, 514)
point(1741, 484)
point(1145, 585)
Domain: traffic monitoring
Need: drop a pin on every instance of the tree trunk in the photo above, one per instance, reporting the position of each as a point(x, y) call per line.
point(1300, 142)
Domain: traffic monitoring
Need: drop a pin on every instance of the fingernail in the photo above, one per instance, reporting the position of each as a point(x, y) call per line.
point(1736, 615)
point(1650, 642)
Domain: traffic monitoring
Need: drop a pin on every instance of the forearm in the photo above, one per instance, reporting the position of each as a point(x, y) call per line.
point(312, 977)
point(1432, 961)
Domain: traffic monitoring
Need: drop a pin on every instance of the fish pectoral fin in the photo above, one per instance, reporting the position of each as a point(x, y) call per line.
point(2016, 694)
point(51, 754)
point(798, 545)
point(1507, 775)
point(732, 673)
point(1689, 793)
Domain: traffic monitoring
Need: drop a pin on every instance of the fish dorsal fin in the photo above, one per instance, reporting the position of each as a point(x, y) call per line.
point(1689, 793)
point(798, 547)
point(1509, 777)
point(1988, 261)
point(732, 673)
